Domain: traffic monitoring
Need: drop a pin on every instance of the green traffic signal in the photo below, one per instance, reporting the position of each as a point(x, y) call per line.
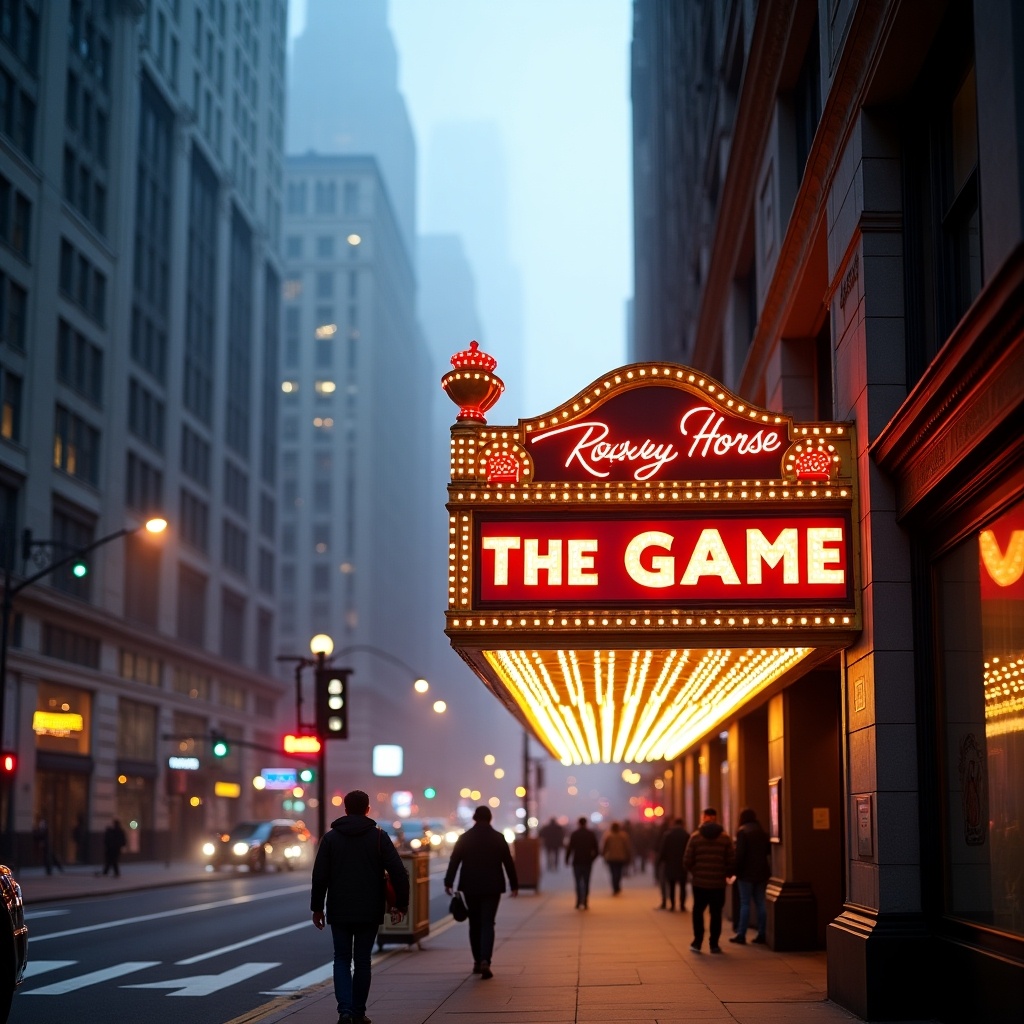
point(80, 569)
point(307, 775)
point(430, 792)
point(220, 746)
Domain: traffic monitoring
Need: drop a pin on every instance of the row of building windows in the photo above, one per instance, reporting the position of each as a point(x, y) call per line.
point(79, 363)
point(325, 198)
point(86, 118)
point(82, 282)
point(19, 29)
point(15, 218)
point(17, 114)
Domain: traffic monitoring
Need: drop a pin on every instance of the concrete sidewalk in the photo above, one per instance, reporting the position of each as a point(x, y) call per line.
point(620, 961)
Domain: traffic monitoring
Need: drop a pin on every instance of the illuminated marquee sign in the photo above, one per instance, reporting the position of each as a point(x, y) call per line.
point(656, 433)
point(629, 570)
point(677, 562)
point(183, 764)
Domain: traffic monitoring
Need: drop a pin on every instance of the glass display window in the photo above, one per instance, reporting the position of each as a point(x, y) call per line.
point(981, 618)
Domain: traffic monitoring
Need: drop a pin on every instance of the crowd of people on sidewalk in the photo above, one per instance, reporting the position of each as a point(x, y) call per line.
point(358, 877)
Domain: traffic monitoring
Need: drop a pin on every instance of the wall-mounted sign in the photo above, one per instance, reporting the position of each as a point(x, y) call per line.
point(280, 778)
point(232, 790)
point(186, 764)
point(56, 723)
point(679, 562)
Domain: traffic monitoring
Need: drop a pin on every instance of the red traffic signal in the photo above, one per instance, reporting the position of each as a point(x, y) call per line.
point(301, 744)
point(8, 763)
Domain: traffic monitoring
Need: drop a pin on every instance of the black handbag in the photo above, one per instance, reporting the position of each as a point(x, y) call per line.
point(457, 908)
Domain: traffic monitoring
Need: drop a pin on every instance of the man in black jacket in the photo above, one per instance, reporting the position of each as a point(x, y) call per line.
point(753, 869)
point(581, 852)
point(482, 852)
point(349, 873)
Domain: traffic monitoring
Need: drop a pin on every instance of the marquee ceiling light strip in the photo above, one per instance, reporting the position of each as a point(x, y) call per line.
point(585, 713)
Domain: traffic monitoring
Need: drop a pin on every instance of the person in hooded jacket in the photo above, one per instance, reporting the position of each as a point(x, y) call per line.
point(709, 858)
point(481, 858)
point(670, 865)
point(349, 874)
point(753, 869)
point(581, 851)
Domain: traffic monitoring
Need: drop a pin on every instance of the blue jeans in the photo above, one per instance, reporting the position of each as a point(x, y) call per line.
point(757, 891)
point(482, 912)
point(353, 945)
point(581, 873)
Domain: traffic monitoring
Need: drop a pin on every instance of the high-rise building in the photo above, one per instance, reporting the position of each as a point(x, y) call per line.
point(355, 426)
point(833, 227)
point(140, 210)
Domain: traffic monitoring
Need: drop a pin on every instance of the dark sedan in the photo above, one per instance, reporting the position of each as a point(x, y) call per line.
point(13, 940)
point(257, 845)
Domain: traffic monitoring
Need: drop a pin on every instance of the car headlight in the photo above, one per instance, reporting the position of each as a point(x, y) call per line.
point(415, 844)
point(209, 849)
point(240, 849)
point(450, 837)
point(291, 852)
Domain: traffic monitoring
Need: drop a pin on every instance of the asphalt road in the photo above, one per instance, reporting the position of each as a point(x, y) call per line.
point(227, 946)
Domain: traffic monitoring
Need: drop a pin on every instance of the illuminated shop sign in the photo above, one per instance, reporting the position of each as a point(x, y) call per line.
point(186, 764)
point(280, 778)
point(56, 723)
point(679, 562)
point(1001, 548)
point(232, 790)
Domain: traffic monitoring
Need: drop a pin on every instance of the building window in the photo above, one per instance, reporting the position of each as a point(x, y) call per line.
point(193, 685)
point(195, 519)
point(191, 606)
point(79, 363)
point(136, 731)
point(72, 529)
point(144, 485)
point(981, 623)
point(10, 406)
point(140, 667)
point(232, 627)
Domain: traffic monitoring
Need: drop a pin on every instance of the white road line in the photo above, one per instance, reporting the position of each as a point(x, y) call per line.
point(313, 977)
point(204, 984)
point(245, 942)
point(37, 967)
point(234, 901)
point(34, 915)
point(58, 988)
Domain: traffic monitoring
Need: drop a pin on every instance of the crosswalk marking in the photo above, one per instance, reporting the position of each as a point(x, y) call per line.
point(245, 942)
point(313, 977)
point(37, 967)
point(204, 984)
point(58, 988)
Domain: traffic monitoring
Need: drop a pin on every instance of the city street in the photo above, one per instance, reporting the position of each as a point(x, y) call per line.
point(229, 944)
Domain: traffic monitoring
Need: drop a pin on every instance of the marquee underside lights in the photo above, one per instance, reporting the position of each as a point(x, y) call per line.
point(610, 707)
point(630, 569)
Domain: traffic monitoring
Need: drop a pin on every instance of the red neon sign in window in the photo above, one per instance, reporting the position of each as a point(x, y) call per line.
point(671, 562)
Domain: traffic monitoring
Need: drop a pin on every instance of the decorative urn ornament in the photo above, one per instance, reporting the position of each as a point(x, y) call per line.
point(472, 385)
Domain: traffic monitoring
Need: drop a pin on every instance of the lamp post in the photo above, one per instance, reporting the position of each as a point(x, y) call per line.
point(52, 555)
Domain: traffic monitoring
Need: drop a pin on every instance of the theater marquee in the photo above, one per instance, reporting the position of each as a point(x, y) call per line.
point(631, 569)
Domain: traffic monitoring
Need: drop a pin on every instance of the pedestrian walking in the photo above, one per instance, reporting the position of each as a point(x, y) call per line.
point(617, 853)
point(753, 869)
point(709, 858)
point(348, 875)
point(44, 847)
point(481, 859)
point(581, 852)
point(552, 835)
point(670, 865)
point(80, 834)
point(114, 841)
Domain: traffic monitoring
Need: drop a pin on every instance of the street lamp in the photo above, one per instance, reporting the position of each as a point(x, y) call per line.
point(50, 555)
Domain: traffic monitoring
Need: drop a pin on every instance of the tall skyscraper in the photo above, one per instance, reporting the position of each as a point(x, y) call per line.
point(140, 207)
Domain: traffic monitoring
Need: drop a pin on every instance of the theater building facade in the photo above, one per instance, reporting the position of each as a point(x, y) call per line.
point(829, 219)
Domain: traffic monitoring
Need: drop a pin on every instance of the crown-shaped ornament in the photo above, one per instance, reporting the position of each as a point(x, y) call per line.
point(471, 385)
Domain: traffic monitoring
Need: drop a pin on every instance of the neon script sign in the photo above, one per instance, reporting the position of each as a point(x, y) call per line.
point(678, 562)
point(659, 431)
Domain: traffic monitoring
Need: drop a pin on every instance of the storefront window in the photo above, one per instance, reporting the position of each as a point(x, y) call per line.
point(61, 720)
point(982, 620)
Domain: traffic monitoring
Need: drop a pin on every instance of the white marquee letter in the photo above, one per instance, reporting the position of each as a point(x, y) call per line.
point(819, 556)
point(501, 547)
point(709, 558)
point(581, 563)
point(663, 574)
point(533, 561)
point(784, 549)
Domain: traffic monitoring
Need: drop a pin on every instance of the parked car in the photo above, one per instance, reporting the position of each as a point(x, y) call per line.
point(13, 941)
point(395, 830)
point(257, 845)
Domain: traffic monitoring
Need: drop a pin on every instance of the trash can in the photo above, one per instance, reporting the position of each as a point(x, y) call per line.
point(526, 853)
point(416, 923)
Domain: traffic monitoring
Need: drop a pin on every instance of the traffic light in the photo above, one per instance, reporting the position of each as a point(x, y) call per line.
point(221, 748)
point(430, 792)
point(8, 764)
point(307, 775)
point(79, 568)
point(331, 703)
